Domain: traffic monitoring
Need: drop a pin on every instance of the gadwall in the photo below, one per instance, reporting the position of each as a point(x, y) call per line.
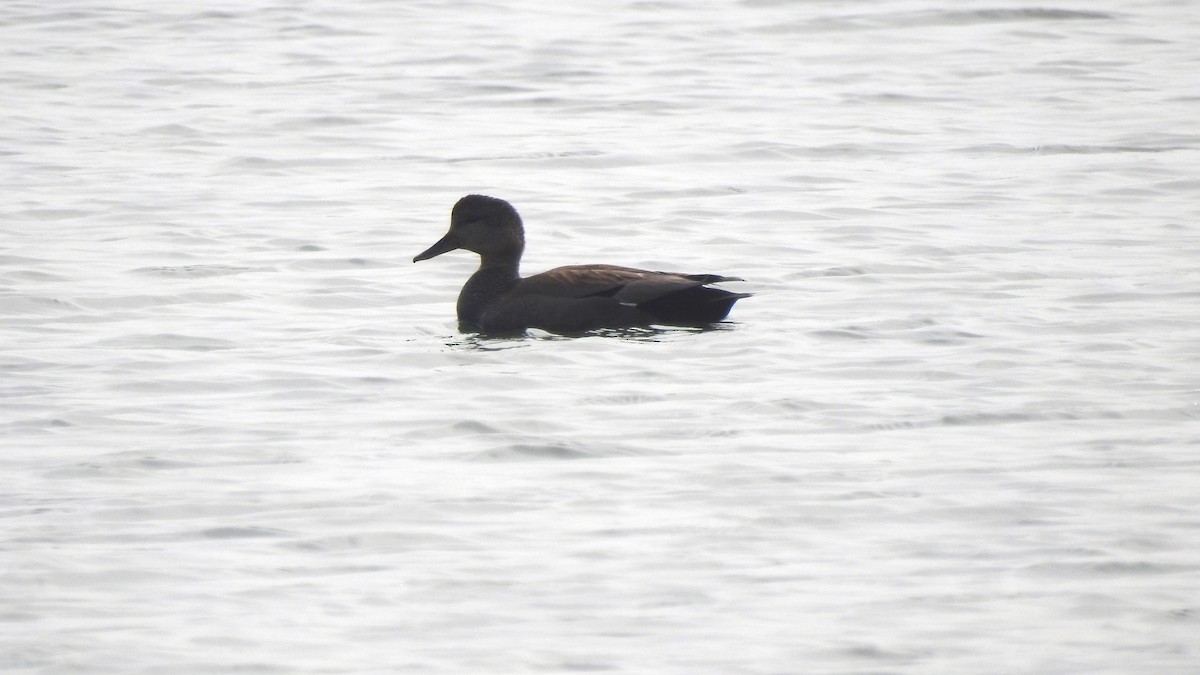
point(566, 300)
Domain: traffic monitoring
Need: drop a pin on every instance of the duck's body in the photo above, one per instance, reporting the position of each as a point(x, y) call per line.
point(565, 300)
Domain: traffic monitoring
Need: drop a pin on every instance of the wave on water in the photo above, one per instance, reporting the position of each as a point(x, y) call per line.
point(1066, 149)
point(197, 271)
point(926, 18)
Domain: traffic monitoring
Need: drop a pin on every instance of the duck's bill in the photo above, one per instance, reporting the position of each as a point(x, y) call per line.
point(446, 243)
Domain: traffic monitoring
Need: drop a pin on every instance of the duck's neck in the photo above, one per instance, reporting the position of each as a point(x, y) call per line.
point(493, 279)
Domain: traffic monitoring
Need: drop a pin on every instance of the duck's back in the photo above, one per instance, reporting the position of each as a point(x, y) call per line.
point(580, 298)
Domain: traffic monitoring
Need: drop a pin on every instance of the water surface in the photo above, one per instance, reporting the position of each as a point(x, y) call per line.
point(955, 430)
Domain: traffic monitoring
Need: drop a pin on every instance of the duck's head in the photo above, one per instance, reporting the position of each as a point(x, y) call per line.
point(485, 225)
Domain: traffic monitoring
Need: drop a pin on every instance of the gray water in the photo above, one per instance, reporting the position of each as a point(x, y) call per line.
point(956, 430)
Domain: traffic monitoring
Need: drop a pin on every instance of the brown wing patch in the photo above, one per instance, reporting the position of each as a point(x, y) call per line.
point(581, 281)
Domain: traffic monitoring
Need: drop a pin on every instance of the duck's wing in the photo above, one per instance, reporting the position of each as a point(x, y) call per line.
point(626, 285)
point(581, 298)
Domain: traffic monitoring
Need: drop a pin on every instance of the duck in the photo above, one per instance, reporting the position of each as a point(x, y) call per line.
point(570, 300)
